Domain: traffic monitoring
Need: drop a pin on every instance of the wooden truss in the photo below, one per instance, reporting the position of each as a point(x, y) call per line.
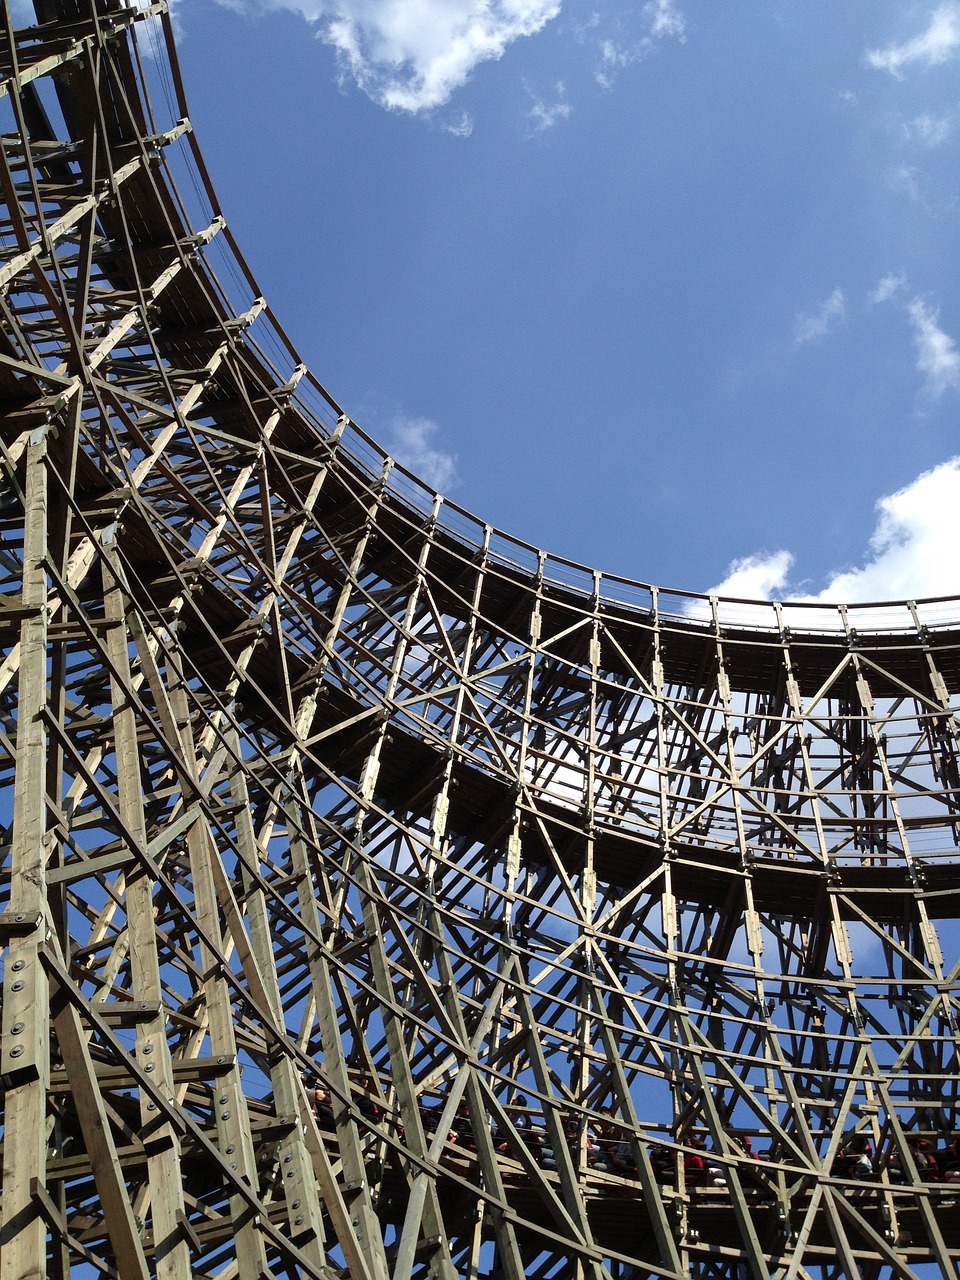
point(605, 919)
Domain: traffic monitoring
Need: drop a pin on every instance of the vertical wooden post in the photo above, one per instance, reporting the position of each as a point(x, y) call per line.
point(25, 1058)
point(171, 1249)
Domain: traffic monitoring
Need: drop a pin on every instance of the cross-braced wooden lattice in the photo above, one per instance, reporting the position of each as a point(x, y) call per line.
point(381, 896)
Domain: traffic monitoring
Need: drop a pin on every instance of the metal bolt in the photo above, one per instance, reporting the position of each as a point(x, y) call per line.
point(148, 1048)
point(298, 1221)
point(224, 1115)
point(223, 1099)
point(287, 1158)
point(151, 1106)
point(17, 986)
point(16, 1051)
point(291, 1172)
point(150, 1066)
point(296, 1204)
point(16, 1029)
point(18, 965)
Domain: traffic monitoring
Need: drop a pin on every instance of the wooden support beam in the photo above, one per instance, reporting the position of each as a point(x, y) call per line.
point(87, 1097)
point(171, 1248)
point(25, 1056)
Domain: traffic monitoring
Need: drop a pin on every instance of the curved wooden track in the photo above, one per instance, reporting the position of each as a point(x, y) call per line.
point(618, 926)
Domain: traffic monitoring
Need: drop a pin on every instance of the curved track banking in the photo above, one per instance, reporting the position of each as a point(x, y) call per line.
point(616, 926)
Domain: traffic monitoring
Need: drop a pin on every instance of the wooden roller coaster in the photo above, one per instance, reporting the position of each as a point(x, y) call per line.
point(384, 897)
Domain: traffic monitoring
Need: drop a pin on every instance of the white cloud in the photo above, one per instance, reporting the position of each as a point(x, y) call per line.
point(906, 178)
point(543, 115)
point(665, 20)
point(912, 553)
point(758, 577)
point(938, 43)
point(809, 328)
point(928, 129)
point(412, 449)
point(914, 545)
point(461, 126)
point(937, 356)
point(660, 20)
point(411, 55)
point(614, 56)
point(888, 287)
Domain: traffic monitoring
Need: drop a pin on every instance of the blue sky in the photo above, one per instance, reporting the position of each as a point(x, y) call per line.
point(659, 287)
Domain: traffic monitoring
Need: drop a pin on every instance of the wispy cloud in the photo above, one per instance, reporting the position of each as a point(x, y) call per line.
point(613, 56)
point(912, 552)
point(665, 19)
point(937, 356)
point(660, 19)
point(810, 328)
point(888, 287)
point(927, 129)
point(413, 57)
point(460, 125)
point(906, 178)
point(938, 43)
point(411, 444)
point(544, 115)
